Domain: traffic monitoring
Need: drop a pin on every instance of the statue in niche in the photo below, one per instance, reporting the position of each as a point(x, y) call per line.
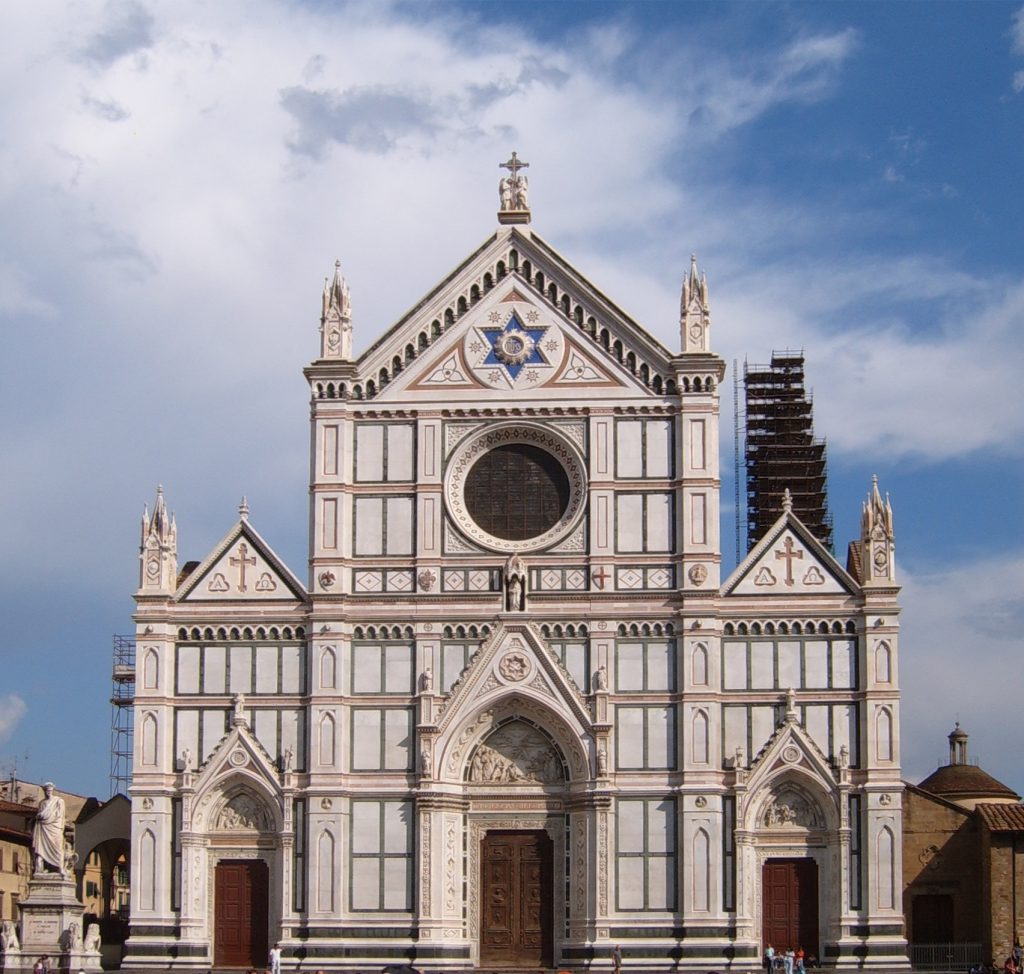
point(601, 678)
point(516, 753)
point(515, 584)
point(427, 680)
point(242, 812)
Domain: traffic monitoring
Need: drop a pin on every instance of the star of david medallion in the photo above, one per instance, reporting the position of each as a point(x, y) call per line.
point(516, 354)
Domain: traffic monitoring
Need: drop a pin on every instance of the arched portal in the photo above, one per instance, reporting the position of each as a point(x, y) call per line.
point(794, 836)
point(523, 833)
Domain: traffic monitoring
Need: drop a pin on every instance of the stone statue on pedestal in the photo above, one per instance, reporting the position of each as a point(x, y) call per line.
point(48, 833)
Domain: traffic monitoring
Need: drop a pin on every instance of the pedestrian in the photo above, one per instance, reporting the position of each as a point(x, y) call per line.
point(790, 955)
point(617, 958)
point(275, 959)
point(769, 959)
point(800, 960)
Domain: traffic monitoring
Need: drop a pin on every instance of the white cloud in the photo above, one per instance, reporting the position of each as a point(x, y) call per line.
point(959, 658)
point(12, 709)
point(1017, 32)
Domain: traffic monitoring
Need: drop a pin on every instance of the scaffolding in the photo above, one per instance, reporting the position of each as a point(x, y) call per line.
point(781, 451)
point(122, 706)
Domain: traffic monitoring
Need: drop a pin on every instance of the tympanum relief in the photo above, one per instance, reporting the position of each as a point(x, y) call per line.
point(516, 753)
point(789, 809)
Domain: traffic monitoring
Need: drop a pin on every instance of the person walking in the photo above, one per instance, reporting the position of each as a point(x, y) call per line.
point(789, 957)
point(799, 959)
point(617, 959)
point(769, 959)
point(275, 959)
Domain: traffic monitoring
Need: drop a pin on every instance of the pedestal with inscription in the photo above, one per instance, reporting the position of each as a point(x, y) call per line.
point(51, 923)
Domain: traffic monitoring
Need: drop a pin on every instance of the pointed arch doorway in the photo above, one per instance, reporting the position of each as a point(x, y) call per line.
point(516, 901)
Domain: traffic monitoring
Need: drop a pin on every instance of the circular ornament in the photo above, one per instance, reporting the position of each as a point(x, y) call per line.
point(327, 578)
point(701, 801)
point(698, 575)
point(514, 667)
point(326, 804)
point(238, 758)
point(885, 800)
point(791, 754)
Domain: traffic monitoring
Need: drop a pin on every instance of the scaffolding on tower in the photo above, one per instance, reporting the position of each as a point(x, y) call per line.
point(781, 450)
point(122, 708)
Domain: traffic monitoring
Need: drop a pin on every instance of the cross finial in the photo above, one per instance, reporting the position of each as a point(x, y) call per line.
point(514, 165)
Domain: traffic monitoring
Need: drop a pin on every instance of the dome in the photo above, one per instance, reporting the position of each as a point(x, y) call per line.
point(957, 782)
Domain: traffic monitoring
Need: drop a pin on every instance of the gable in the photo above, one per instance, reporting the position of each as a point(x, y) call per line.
point(789, 561)
point(511, 344)
point(595, 342)
point(242, 568)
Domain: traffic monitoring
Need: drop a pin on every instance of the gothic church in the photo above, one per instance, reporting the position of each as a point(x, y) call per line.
point(514, 716)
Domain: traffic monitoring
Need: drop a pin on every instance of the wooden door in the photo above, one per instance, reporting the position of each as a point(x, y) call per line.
point(516, 890)
point(789, 889)
point(240, 904)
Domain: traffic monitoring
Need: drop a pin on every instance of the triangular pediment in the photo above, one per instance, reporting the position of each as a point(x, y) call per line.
point(242, 568)
point(512, 343)
point(515, 660)
point(514, 318)
point(789, 561)
point(790, 784)
point(238, 786)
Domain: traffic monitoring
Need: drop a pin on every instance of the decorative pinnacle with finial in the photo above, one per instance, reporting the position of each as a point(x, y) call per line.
point(787, 502)
point(243, 509)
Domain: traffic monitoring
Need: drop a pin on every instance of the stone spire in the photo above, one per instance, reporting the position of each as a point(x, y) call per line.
point(158, 550)
point(694, 311)
point(877, 539)
point(336, 318)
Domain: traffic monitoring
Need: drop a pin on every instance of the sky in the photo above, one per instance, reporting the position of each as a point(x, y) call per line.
point(177, 179)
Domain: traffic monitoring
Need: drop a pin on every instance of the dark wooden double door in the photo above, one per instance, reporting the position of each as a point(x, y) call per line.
point(241, 899)
point(516, 890)
point(789, 904)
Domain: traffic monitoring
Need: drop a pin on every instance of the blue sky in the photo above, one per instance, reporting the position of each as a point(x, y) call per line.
point(177, 179)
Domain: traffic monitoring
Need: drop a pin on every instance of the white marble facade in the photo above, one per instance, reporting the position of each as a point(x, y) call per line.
point(473, 654)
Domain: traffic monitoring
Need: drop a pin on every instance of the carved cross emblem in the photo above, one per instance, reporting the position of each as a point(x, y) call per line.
point(600, 576)
point(240, 562)
point(789, 554)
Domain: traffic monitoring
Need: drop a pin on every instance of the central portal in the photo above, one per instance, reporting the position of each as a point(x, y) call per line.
point(516, 899)
point(790, 908)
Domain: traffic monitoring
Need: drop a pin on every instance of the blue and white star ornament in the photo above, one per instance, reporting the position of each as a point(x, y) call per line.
point(515, 350)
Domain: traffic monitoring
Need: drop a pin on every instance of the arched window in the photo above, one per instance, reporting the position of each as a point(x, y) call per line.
point(699, 665)
point(328, 669)
point(327, 740)
point(883, 663)
point(149, 740)
point(883, 734)
point(886, 863)
point(147, 871)
point(151, 670)
point(699, 737)
point(325, 872)
point(701, 870)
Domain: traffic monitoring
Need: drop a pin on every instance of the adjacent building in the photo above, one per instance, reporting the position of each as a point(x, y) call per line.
point(511, 714)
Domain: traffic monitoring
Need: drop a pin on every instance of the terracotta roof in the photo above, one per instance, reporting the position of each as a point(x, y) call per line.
point(1002, 818)
point(6, 806)
point(853, 561)
point(965, 781)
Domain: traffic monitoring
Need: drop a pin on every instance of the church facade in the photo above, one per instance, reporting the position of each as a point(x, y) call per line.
point(515, 716)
